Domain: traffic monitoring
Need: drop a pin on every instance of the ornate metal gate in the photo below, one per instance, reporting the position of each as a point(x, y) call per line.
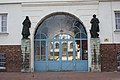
point(61, 44)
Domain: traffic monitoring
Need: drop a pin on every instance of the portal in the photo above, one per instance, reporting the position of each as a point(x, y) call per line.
point(60, 44)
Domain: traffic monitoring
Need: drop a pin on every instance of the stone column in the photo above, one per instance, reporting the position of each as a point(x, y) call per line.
point(32, 52)
point(25, 55)
point(95, 55)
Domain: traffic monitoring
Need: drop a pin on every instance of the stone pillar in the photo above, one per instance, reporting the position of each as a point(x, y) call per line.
point(25, 55)
point(95, 55)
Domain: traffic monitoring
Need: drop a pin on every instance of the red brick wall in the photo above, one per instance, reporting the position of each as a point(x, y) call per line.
point(13, 57)
point(109, 57)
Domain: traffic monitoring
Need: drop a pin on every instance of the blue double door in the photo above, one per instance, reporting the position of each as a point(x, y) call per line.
point(60, 44)
point(60, 55)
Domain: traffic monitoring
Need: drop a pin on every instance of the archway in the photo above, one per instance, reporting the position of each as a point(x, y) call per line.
point(60, 43)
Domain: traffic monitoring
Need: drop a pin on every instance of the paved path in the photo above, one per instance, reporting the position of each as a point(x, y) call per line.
point(60, 76)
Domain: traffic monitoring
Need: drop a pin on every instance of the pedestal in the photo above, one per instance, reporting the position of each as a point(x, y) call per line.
point(95, 55)
point(25, 55)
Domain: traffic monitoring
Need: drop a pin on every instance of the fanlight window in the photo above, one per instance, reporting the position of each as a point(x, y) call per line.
point(60, 24)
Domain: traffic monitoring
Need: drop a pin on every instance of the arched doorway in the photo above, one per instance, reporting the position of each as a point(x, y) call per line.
point(60, 44)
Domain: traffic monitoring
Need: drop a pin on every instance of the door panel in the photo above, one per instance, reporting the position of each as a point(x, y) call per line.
point(64, 50)
point(81, 65)
point(43, 51)
point(53, 51)
point(67, 65)
point(70, 50)
point(40, 66)
point(54, 66)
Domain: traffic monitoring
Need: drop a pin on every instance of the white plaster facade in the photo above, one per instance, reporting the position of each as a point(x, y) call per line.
point(37, 10)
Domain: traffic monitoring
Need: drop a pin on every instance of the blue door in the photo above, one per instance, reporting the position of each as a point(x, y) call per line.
point(60, 44)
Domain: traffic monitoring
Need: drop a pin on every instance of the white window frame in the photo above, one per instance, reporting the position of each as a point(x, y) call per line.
point(117, 20)
point(3, 23)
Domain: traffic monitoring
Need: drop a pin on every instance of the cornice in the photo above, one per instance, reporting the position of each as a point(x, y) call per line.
point(46, 2)
point(59, 3)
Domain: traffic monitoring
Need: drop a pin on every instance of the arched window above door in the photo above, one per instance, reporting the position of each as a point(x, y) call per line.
point(59, 23)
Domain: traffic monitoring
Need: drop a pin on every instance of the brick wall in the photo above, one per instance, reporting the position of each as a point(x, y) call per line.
point(13, 57)
point(109, 57)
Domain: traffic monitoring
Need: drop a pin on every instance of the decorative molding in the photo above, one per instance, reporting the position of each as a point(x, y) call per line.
point(49, 1)
point(59, 3)
point(4, 33)
point(117, 30)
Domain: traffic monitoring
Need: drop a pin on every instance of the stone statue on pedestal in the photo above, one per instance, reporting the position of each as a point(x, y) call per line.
point(25, 46)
